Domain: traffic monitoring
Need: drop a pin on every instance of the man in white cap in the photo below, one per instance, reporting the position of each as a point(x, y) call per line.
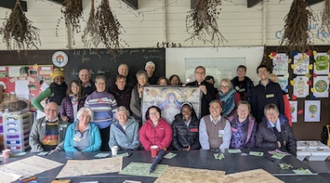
point(150, 69)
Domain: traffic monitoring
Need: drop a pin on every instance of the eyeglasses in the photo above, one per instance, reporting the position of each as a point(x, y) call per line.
point(154, 114)
point(222, 86)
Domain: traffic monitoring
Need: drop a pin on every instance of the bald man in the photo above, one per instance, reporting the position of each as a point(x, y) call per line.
point(87, 84)
point(124, 71)
point(48, 133)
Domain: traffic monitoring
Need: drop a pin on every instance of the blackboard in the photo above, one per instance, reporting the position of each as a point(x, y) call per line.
point(100, 62)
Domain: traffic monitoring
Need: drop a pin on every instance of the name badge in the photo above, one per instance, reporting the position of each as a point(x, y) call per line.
point(220, 133)
point(237, 88)
point(77, 139)
point(270, 96)
point(242, 90)
point(194, 130)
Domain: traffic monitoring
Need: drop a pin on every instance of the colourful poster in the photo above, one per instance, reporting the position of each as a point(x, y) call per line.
point(300, 65)
point(321, 86)
point(280, 64)
point(312, 110)
point(321, 65)
point(283, 83)
point(294, 109)
point(301, 88)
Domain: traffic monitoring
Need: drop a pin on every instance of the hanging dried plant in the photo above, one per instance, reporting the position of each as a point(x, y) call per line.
point(109, 28)
point(91, 34)
point(72, 10)
point(326, 16)
point(296, 32)
point(201, 23)
point(18, 32)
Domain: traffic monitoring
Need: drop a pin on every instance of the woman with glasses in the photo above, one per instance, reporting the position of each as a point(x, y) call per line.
point(228, 97)
point(82, 135)
point(72, 102)
point(155, 131)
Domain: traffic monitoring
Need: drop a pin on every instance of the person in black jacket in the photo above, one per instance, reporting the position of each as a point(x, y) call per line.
point(243, 84)
point(266, 92)
point(205, 87)
point(274, 132)
point(185, 129)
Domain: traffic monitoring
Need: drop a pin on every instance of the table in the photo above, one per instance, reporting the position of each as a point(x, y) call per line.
point(193, 159)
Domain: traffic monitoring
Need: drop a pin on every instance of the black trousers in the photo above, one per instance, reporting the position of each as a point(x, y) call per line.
point(105, 136)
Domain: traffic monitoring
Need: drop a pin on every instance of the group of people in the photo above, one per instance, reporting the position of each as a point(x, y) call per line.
point(88, 116)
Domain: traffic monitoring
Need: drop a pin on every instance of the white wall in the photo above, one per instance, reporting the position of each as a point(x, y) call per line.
point(175, 58)
point(164, 20)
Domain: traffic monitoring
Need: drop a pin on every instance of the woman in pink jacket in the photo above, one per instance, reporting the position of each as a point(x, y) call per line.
point(155, 131)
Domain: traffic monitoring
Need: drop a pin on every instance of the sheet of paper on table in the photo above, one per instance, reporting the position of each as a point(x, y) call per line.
point(30, 166)
point(8, 177)
point(102, 155)
point(233, 151)
point(75, 168)
point(142, 169)
point(258, 175)
point(256, 153)
point(186, 175)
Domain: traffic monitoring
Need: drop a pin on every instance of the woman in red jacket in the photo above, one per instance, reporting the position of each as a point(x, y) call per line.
point(155, 131)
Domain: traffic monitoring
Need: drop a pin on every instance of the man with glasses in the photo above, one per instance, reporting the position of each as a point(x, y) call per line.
point(206, 88)
point(266, 92)
point(48, 133)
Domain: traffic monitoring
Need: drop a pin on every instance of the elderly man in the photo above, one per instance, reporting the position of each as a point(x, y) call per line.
point(150, 69)
point(124, 71)
point(48, 133)
point(87, 84)
point(205, 87)
point(214, 129)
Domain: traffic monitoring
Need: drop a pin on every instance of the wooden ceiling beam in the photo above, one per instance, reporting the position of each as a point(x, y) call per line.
point(10, 4)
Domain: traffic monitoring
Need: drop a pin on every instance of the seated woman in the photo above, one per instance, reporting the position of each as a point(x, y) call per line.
point(82, 135)
point(243, 127)
point(72, 102)
point(124, 132)
point(228, 97)
point(155, 131)
point(185, 129)
point(274, 132)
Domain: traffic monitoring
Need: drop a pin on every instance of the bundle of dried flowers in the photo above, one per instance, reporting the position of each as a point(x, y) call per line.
point(201, 23)
point(326, 16)
point(72, 10)
point(18, 32)
point(91, 35)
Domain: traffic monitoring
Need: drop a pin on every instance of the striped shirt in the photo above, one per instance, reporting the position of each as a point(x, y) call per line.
point(50, 140)
point(104, 106)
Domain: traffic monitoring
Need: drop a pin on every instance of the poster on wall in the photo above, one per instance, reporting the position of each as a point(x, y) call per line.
point(280, 64)
point(294, 109)
point(301, 88)
point(283, 82)
point(321, 86)
point(321, 65)
point(312, 110)
point(170, 99)
point(300, 65)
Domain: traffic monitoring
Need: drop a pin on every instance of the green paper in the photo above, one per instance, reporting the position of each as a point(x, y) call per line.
point(285, 166)
point(232, 151)
point(102, 155)
point(303, 172)
point(278, 155)
point(256, 153)
point(216, 156)
point(142, 169)
point(18, 154)
point(169, 155)
point(123, 154)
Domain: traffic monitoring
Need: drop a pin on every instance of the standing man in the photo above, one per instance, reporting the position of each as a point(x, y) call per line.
point(214, 129)
point(243, 84)
point(266, 92)
point(124, 71)
point(87, 84)
point(48, 132)
point(205, 87)
point(150, 69)
point(122, 92)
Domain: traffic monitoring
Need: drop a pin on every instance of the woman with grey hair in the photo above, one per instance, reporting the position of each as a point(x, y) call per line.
point(124, 131)
point(228, 97)
point(136, 96)
point(274, 132)
point(82, 135)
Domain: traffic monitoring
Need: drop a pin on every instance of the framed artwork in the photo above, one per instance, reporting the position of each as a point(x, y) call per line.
point(321, 65)
point(301, 88)
point(321, 86)
point(280, 64)
point(169, 100)
point(301, 66)
point(312, 110)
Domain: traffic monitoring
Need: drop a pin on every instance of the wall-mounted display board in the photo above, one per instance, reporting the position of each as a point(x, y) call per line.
point(27, 81)
point(100, 62)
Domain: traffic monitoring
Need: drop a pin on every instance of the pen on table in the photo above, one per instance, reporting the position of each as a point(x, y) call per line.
point(28, 179)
